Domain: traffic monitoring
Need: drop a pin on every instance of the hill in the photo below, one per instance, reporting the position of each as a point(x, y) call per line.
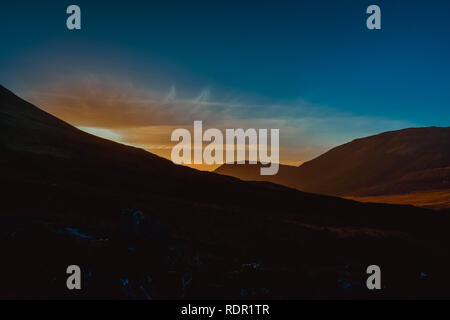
point(390, 163)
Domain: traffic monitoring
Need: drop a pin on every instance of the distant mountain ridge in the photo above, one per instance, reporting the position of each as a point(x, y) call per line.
point(393, 162)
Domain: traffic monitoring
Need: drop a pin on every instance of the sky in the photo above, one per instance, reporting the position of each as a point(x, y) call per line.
point(138, 69)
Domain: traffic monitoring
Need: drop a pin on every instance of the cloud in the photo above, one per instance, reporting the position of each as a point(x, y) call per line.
point(129, 113)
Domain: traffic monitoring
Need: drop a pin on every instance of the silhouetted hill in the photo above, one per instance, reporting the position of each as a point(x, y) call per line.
point(251, 172)
point(39, 148)
point(70, 197)
point(393, 162)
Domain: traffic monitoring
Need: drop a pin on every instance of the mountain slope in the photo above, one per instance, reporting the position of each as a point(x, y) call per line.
point(393, 162)
point(40, 149)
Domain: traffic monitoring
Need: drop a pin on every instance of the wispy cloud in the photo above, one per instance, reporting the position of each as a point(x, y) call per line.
point(129, 113)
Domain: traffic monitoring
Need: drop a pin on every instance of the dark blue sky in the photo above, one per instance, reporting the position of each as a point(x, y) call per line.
point(280, 51)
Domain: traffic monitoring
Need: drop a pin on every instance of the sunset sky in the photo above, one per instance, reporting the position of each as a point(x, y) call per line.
point(139, 69)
